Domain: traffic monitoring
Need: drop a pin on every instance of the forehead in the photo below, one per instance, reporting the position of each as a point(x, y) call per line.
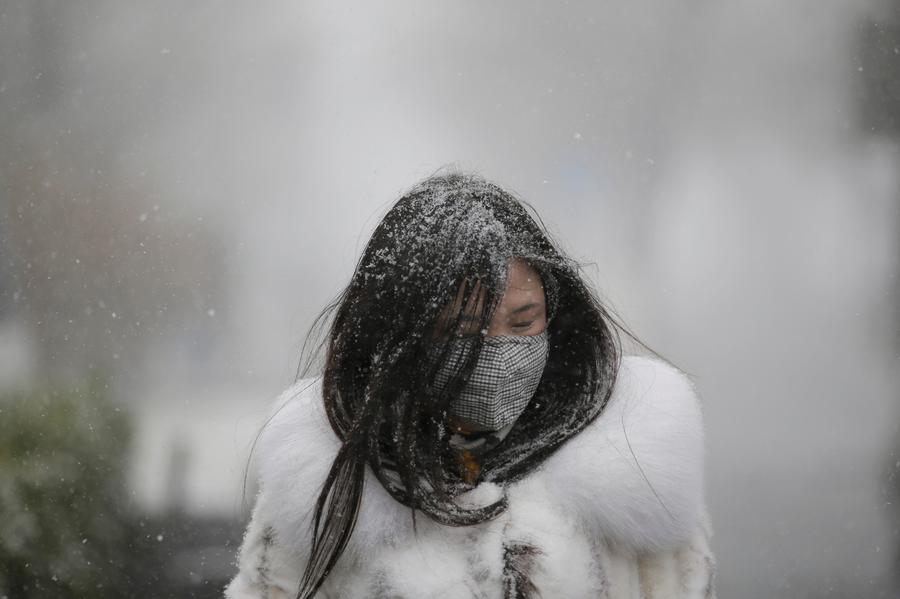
point(523, 285)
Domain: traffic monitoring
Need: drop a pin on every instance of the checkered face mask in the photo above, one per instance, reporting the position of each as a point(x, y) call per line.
point(503, 381)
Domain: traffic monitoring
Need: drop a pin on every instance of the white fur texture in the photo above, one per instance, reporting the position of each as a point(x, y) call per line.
point(636, 475)
point(618, 511)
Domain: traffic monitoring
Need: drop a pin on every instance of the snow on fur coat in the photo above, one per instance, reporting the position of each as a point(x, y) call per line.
point(617, 512)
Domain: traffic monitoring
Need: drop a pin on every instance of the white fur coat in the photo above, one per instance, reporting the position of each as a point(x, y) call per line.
point(617, 512)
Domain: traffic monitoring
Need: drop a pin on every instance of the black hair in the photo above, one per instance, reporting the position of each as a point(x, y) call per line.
point(442, 237)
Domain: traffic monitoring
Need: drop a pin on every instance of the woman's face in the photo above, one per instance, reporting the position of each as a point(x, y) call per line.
point(522, 311)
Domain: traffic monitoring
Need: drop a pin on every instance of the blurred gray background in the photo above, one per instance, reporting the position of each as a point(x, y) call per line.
point(184, 185)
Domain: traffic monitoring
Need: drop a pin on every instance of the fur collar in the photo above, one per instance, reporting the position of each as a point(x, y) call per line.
point(634, 477)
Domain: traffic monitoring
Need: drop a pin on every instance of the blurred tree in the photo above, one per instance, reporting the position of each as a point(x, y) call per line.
point(64, 527)
point(67, 527)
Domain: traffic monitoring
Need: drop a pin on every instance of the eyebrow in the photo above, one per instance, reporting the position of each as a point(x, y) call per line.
point(524, 308)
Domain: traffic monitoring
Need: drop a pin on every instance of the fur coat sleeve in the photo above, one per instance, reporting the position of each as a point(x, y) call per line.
point(617, 512)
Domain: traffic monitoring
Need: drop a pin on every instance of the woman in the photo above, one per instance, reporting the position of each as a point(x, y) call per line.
point(476, 432)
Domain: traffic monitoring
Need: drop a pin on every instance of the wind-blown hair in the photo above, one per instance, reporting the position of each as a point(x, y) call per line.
point(444, 235)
